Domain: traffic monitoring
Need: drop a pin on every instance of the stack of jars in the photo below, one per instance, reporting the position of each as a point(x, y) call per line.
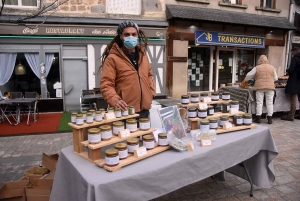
point(193, 112)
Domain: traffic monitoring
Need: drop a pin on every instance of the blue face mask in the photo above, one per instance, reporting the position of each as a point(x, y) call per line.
point(130, 42)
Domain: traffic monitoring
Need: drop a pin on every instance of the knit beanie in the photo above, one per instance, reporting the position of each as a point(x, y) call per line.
point(125, 24)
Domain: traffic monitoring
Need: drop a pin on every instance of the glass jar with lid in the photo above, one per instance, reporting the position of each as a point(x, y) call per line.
point(84, 115)
point(111, 109)
point(215, 96)
point(125, 112)
point(102, 111)
point(106, 132)
point(202, 95)
point(163, 139)
point(224, 119)
point(144, 123)
point(112, 157)
point(131, 110)
point(148, 141)
point(247, 119)
point(238, 120)
point(131, 124)
point(118, 126)
point(226, 95)
point(225, 107)
point(118, 112)
point(234, 104)
point(123, 151)
point(98, 116)
point(204, 125)
point(192, 112)
point(89, 118)
point(194, 98)
point(73, 117)
point(93, 113)
point(185, 99)
point(213, 123)
point(202, 113)
point(132, 144)
point(210, 110)
point(79, 119)
point(94, 135)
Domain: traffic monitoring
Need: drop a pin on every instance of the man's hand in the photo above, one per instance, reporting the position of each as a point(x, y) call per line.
point(121, 104)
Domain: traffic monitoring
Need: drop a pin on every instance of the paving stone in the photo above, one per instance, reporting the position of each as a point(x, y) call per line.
point(232, 182)
point(292, 196)
point(222, 193)
point(294, 185)
point(284, 179)
point(260, 195)
point(246, 187)
point(245, 197)
point(284, 189)
point(191, 190)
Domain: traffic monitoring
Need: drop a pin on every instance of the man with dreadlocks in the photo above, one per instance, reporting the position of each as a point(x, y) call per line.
point(127, 77)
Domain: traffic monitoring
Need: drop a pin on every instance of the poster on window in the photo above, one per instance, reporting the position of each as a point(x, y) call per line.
point(193, 65)
point(189, 61)
point(193, 77)
point(201, 76)
point(201, 63)
point(198, 57)
point(189, 72)
point(197, 70)
point(197, 83)
point(194, 55)
point(220, 62)
point(230, 61)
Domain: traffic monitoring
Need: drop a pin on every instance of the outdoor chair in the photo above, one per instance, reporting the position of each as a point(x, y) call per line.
point(14, 95)
point(34, 105)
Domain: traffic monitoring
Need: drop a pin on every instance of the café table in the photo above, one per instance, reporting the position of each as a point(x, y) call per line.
point(78, 179)
point(24, 101)
point(4, 104)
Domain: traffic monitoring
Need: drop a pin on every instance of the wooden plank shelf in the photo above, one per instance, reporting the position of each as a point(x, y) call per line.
point(235, 128)
point(196, 104)
point(116, 139)
point(96, 123)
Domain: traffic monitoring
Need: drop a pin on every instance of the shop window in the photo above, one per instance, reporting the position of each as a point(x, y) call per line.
point(267, 4)
point(129, 7)
point(21, 3)
point(233, 1)
point(198, 69)
point(243, 56)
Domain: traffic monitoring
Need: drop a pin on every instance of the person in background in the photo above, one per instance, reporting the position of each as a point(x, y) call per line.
point(246, 69)
point(5, 95)
point(293, 84)
point(127, 77)
point(265, 75)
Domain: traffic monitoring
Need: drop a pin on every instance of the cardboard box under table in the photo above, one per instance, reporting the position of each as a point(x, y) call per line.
point(34, 173)
point(13, 191)
point(50, 161)
point(40, 190)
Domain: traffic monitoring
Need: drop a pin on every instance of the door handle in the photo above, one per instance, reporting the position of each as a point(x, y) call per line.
point(69, 88)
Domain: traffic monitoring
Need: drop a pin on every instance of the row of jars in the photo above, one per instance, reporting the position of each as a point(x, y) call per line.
point(195, 98)
point(121, 150)
point(105, 132)
point(214, 123)
point(92, 115)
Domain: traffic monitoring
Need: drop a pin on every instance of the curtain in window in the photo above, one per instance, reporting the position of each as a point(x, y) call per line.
point(33, 60)
point(7, 66)
point(29, 2)
point(11, 2)
point(49, 61)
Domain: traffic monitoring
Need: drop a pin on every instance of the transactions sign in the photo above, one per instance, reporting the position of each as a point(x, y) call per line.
point(227, 39)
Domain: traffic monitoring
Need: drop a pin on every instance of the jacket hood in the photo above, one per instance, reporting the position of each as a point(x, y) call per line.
point(263, 60)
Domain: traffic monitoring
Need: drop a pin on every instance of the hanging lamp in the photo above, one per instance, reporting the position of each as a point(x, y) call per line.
point(20, 69)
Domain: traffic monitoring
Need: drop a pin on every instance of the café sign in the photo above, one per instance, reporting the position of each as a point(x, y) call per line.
point(227, 39)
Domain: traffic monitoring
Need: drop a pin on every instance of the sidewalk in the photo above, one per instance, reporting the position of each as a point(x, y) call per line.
point(21, 152)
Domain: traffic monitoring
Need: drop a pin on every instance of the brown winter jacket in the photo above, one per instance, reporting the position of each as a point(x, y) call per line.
point(120, 80)
point(264, 74)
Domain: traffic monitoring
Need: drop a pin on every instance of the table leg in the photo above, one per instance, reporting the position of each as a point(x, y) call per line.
point(3, 114)
point(249, 177)
point(28, 115)
point(18, 113)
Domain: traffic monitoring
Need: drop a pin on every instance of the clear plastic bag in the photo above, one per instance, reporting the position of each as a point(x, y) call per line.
point(176, 143)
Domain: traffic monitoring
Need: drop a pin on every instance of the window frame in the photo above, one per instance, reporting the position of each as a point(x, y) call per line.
point(20, 6)
point(263, 4)
point(237, 2)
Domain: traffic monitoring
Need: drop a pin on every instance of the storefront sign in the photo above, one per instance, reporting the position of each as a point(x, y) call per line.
point(296, 39)
point(227, 39)
point(68, 30)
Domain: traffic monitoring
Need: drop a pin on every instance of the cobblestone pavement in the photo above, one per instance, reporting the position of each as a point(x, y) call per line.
point(21, 152)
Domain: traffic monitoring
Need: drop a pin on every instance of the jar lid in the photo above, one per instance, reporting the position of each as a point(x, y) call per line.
point(84, 112)
point(117, 109)
point(118, 123)
point(185, 96)
point(238, 115)
point(91, 110)
point(98, 112)
point(74, 113)
point(226, 92)
point(215, 93)
point(194, 95)
point(204, 94)
point(133, 141)
point(224, 116)
point(79, 115)
point(145, 119)
point(131, 121)
point(94, 130)
point(111, 108)
point(162, 134)
point(89, 114)
point(101, 109)
point(203, 110)
point(234, 102)
point(105, 127)
point(111, 151)
point(204, 121)
point(120, 145)
point(213, 119)
point(192, 109)
point(148, 137)
point(131, 107)
point(247, 115)
point(210, 107)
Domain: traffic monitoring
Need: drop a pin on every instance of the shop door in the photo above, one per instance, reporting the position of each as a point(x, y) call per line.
point(75, 76)
point(225, 67)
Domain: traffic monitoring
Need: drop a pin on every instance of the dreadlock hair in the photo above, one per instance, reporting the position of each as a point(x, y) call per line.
point(143, 42)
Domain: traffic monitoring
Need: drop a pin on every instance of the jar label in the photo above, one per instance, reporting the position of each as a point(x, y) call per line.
point(228, 107)
point(106, 134)
point(117, 129)
point(194, 99)
point(221, 107)
point(215, 97)
point(144, 125)
point(73, 119)
point(123, 154)
point(98, 118)
point(131, 127)
point(79, 121)
point(192, 114)
point(185, 100)
point(148, 145)
point(223, 122)
point(131, 148)
point(204, 127)
point(211, 111)
point(90, 119)
point(247, 121)
point(118, 114)
point(202, 114)
point(125, 113)
point(235, 106)
point(163, 141)
point(94, 138)
point(112, 161)
point(213, 125)
point(226, 97)
point(84, 117)
point(239, 121)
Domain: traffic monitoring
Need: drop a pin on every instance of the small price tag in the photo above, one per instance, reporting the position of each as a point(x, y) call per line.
point(202, 105)
point(191, 146)
point(205, 143)
point(124, 133)
point(233, 110)
point(139, 152)
point(109, 115)
point(206, 99)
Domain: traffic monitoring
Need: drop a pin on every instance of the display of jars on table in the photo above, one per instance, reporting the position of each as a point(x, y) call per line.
point(98, 116)
point(131, 110)
point(73, 117)
point(224, 119)
point(210, 110)
point(204, 125)
point(111, 109)
point(125, 112)
point(118, 112)
point(118, 126)
point(131, 124)
point(163, 139)
point(238, 120)
point(93, 113)
point(144, 124)
point(234, 104)
point(132, 144)
point(202, 95)
point(102, 110)
point(202, 113)
point(185, 99)
point(89, 118)
point(148, 141)
point(215, 96)
point(79, 119)
point(194, 98)
point(106, 132)
point(84, 115)
point(94, 136)
point(226, 95)
point(123, 151)
point(225, 107)
point(192, 112)
point(213, 123)
point(247, 119)
point(112, 157)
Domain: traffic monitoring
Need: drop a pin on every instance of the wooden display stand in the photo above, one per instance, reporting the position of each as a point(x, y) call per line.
point(235, 128)
point(93, 153)
point(196, 104)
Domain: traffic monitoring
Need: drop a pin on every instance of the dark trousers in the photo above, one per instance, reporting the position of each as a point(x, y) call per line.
point(293, 102)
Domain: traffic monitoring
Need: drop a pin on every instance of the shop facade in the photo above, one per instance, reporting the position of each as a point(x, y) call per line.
point(69, 55)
